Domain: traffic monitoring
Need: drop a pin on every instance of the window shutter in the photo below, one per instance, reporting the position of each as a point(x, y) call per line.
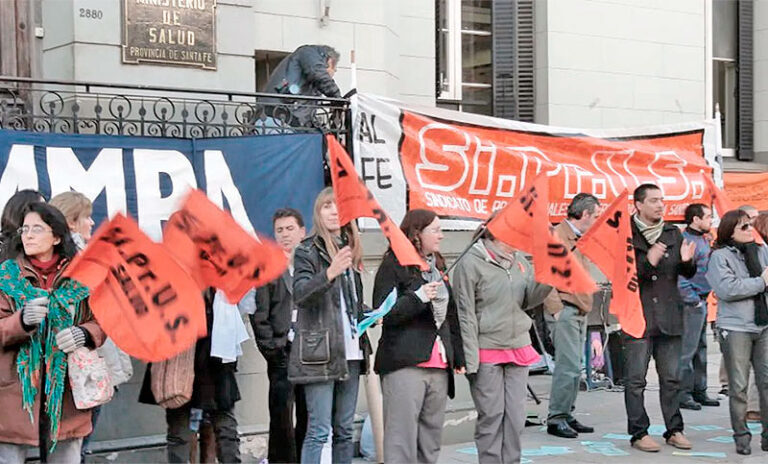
point(745, 92)
point(513, 59)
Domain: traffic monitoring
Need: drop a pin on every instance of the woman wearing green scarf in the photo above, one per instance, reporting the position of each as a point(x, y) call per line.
point(43, 317)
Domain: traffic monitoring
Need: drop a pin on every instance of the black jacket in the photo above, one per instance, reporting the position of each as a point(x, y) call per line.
point(409, 331)
point(660, 297)
point(305, 70)
point(272, 320)
point(215, 384)
point(317, 353)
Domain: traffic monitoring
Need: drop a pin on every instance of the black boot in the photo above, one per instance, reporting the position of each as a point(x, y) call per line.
point(742, 445)
point(562, 430)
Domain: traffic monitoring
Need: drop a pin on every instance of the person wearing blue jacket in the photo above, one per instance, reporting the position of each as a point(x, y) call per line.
point(692, 370)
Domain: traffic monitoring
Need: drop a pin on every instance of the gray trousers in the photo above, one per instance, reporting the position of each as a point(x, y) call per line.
point(414, 412)
point(569, 336)
point(753, 397)
point(499, 393)
point(66, 452)
point(740, 351)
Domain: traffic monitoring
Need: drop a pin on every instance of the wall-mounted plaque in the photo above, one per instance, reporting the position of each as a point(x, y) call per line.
point(177, 32)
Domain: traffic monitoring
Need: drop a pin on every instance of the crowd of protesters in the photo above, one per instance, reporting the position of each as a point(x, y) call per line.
point(472, 323)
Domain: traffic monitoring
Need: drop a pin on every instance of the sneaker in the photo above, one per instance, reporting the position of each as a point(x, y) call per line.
point(646, 444)
point(679, 441)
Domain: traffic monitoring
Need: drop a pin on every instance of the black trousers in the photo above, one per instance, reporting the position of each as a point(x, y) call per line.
point(285, 440)
point(666, 353)
point(179, 435)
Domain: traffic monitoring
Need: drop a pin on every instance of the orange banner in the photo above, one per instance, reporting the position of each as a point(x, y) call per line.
point(354, 200)
point(140, 295)
point(747, 188)
point(608, 244)
point(464, 171)
point(523, 224)
point(721, 202)
point(217, 251)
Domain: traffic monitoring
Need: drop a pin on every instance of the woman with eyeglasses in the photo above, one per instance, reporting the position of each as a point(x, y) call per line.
point(43, 318)
point(420, 346)
point(738, 273)
point(13, 215)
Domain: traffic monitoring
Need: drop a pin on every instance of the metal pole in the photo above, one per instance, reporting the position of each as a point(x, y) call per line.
point(478, 234)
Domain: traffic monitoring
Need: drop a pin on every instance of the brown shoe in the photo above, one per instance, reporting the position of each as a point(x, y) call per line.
point(753, 416)
point(647, 444)
point(679, 441)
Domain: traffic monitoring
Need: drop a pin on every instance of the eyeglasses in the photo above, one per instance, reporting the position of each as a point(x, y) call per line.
point(746, 226)
point(34, 230)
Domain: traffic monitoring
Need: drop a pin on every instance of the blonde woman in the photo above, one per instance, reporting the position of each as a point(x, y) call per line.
point(328, 355)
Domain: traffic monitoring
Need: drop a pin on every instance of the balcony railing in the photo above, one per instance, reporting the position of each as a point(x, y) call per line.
point(69, 107)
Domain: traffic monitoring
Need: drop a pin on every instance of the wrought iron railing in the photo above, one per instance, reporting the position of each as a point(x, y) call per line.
point(99, 108)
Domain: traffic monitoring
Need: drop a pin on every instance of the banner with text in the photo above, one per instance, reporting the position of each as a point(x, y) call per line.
point(465, 166)
point(149, 177)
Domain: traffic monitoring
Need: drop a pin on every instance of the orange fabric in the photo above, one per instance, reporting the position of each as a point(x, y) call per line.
point(354, 200)
point(140, 295)
point(711, 307)
point(723, 204)
point(524, 224)
point(467, 171)
point(218, 252)
point(747, 188)
point(608, 243)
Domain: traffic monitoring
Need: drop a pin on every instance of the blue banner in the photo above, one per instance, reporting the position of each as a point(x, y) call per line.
point(147, 177)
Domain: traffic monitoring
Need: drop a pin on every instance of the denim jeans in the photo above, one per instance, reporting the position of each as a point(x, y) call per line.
point(740, 351)
point(692, 371)
point(569, 336)
point(331, 405)
point(637, 354)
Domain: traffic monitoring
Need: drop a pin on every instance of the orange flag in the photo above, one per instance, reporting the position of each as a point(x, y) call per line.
point(723, 204)
point(354, 200)
point(140, 295)
point(524, 224)
point(721, 201)
point(608, 244)
point(217, 251)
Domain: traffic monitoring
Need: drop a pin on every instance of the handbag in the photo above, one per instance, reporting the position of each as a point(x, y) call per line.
point(89, 378)
point(173, 379)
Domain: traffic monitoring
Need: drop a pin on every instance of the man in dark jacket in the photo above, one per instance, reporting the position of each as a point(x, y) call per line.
point(661, 255)
point(308, 71)
point(272, 328)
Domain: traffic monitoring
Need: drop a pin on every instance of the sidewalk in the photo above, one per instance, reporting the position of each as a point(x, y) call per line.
point(707, 429)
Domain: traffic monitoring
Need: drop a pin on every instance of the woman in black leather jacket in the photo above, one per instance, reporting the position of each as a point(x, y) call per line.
point(328, 355)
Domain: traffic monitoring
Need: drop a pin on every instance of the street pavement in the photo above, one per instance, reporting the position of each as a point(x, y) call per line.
point(708, 430)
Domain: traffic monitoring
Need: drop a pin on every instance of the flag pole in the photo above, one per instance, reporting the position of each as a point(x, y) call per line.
point(478, 234)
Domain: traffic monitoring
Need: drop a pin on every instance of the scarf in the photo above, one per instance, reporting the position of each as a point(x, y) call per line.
point(650, 232)
point(31, 353)
point(228, 330)
point(440, 302)
point(750, 252)
point(506, 260)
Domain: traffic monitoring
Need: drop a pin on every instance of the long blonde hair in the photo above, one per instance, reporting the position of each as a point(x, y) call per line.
point(318, 228)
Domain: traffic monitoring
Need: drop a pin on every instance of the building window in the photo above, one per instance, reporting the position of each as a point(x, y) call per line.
point(725, 28)
point(465, 50)
point(266, 62)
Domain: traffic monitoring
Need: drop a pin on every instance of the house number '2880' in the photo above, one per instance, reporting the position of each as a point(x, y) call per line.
point(91, 14)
